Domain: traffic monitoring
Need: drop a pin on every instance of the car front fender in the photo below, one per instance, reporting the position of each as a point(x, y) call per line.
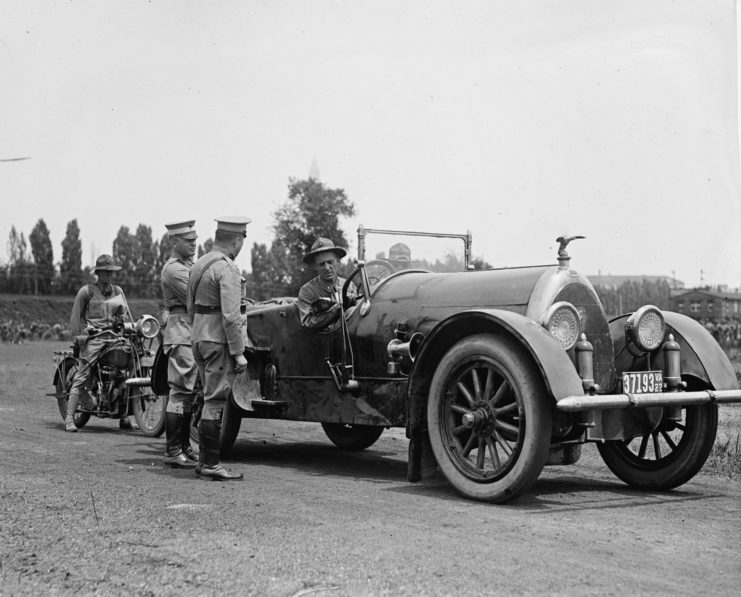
point(701, 355)
point(555, 365)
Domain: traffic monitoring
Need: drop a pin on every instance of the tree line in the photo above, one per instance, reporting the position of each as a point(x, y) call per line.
point(311, 210)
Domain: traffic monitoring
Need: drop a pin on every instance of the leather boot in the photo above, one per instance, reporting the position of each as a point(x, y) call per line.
point(212, 469)
point(124, 422)
point(174, 456)
point(201, 450)
point(69, 421)
point(185, 438)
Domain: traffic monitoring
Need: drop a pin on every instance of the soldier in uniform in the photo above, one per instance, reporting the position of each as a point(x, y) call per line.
point(182, 373)
point(214, 303)
point(316, 313)
point(400, 256)
point(96, 306)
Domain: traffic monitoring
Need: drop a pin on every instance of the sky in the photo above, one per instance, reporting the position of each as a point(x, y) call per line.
point(520, 121)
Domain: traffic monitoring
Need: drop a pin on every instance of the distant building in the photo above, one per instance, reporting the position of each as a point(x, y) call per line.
point(705, 304)
point(615, 281)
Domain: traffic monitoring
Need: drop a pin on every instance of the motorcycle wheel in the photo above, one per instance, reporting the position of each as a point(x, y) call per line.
point(63, 378)
point(149, 408)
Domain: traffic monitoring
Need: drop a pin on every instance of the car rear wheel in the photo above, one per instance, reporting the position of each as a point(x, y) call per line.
point(489, 418)
point(352, 437)
point(231, 421)
point(668, 456)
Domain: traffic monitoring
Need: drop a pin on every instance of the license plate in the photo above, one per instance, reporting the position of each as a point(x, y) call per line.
point(643, 382)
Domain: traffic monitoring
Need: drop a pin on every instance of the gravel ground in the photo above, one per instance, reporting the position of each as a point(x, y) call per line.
point(95, 513)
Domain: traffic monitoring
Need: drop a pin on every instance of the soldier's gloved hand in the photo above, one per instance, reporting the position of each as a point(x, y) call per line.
point(322, 305)
point(91, 329)
point(240, 364)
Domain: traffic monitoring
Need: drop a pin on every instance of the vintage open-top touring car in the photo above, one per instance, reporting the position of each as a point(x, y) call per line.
point(493, 373)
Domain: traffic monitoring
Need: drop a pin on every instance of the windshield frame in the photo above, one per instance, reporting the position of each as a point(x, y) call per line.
point(466, 238)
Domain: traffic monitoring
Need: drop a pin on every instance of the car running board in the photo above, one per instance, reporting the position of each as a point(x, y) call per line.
point(271, 404)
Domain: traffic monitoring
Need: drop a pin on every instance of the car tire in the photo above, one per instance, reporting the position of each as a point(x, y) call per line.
point(352, 437)
point(492, 380)
point(231, 421)
point(668, 456)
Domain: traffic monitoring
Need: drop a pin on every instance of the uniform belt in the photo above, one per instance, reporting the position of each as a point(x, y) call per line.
point(177, 310)
point(207, 310)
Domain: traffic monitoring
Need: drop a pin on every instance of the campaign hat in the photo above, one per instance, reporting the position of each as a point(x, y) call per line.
point(323, 245)
point(106, 263)
point(182, 228)
point(236, 224)
point(400, 252)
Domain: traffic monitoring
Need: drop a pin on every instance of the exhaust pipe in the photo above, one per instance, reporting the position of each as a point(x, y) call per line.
point(138, 382)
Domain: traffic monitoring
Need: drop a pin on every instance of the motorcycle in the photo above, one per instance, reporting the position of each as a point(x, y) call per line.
point(123, 375)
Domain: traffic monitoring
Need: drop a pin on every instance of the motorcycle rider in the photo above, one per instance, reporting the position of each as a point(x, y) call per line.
point(96, 306)
point(182, 373)
point(214, 303)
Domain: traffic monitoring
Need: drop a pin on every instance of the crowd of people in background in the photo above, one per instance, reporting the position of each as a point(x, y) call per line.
point(727, 333)
point(18, 332)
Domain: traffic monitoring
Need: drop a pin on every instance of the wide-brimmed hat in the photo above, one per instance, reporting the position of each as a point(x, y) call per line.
point(400, 252)
point(106, 264)
point(323, 245)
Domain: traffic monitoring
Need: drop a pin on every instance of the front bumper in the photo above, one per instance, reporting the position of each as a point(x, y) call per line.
point(615, 401)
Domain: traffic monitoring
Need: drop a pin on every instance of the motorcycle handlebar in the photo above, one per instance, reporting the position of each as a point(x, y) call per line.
point(120, 329)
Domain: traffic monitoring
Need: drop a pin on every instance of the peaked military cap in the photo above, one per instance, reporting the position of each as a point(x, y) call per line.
point(323, 245)
point(184, 229)
point(236, 224)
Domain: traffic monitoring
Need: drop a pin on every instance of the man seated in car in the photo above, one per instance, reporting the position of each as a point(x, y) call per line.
point(320, 299)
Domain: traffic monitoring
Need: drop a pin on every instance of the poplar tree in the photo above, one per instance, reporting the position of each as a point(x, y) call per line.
point(70, 268)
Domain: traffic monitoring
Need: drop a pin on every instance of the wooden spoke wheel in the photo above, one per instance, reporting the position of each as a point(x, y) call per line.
point(489, 418)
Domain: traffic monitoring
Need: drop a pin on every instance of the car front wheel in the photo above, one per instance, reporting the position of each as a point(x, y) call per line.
point(669, 455)
point(489, 418)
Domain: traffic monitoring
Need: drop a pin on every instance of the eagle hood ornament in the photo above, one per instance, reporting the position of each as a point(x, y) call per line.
point(563, 256)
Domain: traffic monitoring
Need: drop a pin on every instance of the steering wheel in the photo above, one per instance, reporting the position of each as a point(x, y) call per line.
point(377, 270)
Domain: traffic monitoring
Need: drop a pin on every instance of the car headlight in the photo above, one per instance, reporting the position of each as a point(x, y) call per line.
point(561, 320)
point(148, 326)
point(645, 328)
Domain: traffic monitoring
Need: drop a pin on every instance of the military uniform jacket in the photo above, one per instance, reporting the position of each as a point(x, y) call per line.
point(174, 282)
point(95, 306)
point(317, 288)
point(219, 289)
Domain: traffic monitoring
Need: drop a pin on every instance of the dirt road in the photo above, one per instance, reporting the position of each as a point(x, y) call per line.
point(96, 513)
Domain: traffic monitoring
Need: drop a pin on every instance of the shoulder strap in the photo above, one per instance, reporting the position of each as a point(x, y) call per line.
point(197, 279)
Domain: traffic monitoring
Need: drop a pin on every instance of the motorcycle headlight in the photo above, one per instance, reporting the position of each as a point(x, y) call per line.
point(148, 326)
point(645, 328)
point(563, 323)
